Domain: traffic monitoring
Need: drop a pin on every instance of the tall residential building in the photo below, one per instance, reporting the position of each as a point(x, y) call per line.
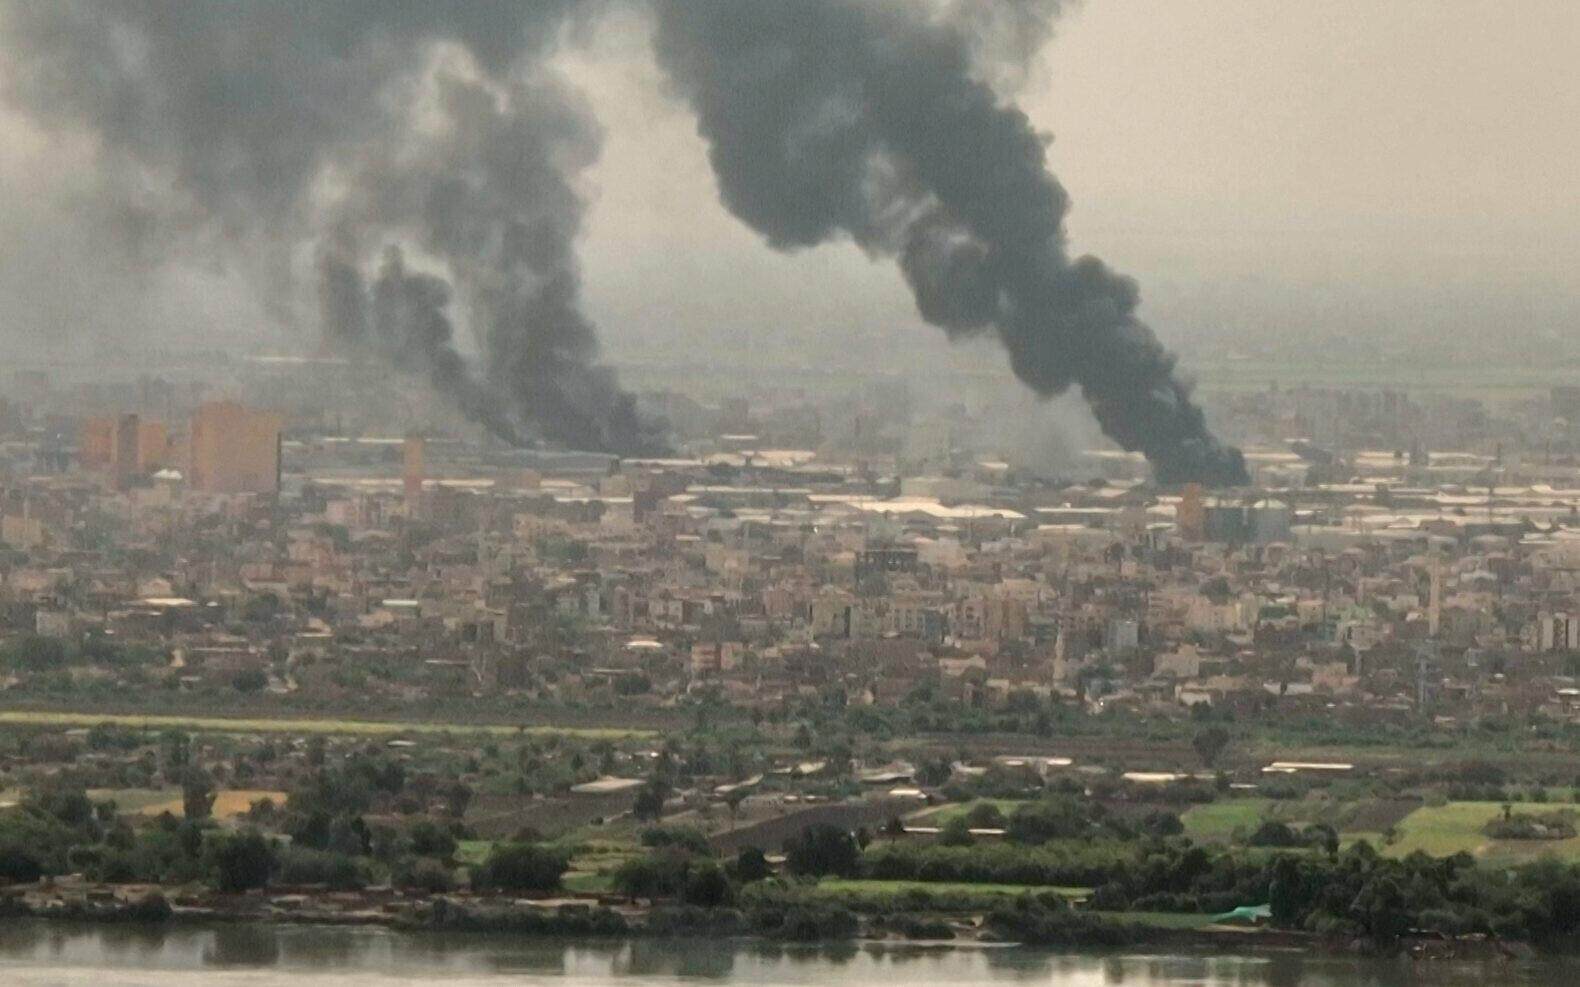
point(125, 446)
point(234, 449)
point(412, 473)
point(153, 447)
point(123, 450)
point(96, 443)
point(1191, 516)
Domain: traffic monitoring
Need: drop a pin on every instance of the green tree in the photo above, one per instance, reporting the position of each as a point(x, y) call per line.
point(521, 867)
point(1381, 909)
point(1059, 818)
point(457, 799)
point(823, 849)
point(1210, 742)
point(649, 804)
point(956, 832)
point(197, 793)
point(429, 839)
point(707, 886)
point(242, 861)
point(752, 865)
point(1286, 893)
point(660, 874)
point(986, 815)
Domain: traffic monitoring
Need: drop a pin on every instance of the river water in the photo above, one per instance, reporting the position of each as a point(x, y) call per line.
point(45, 954)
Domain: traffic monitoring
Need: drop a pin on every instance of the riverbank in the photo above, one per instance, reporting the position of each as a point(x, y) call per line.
point(42, 953)
point(610, 918)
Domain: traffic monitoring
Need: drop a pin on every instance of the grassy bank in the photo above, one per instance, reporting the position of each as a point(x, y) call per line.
point(225, 724)
point(876, 888)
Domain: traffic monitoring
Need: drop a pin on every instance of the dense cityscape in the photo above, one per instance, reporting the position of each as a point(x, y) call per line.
point(238, 604)
point(602, 493)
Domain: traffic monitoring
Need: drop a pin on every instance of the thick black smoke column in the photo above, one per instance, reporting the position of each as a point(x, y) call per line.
point(868, 118)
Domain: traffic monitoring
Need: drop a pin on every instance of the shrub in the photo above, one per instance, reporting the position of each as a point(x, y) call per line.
point(250, 680)
point(424, 874)
point(660, 874)
point(1273, 834)
point(19, 865)
point(1029, 923)
point(918, 928)
point(985, 815)
point(151, 907)
point(1558, 825)
point(337, 871)
point(1050, 819)
point(806, 922)
point(1072, 863)
point(687, 838)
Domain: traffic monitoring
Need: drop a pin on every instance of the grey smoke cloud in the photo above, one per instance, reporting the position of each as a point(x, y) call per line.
point(360, 125)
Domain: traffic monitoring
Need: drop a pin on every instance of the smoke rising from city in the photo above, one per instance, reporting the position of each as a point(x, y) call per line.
point(428, 156)
point(868, 120)
point(359, 127)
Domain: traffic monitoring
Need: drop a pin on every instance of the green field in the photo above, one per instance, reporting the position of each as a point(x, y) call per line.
point(941, 815)
point(1217, 822)
point(845, 886)
point(1458, 828)
point(1353, 819)
point(220, 724)
point(592, 864)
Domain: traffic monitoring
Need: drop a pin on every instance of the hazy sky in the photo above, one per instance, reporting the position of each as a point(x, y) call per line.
point(1407, 164)
point(1284, 167)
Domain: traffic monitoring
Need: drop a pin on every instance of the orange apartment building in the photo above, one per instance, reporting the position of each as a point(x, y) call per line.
point(234, 449)
point(412, 473)
point(96, 443)
point(123, 446)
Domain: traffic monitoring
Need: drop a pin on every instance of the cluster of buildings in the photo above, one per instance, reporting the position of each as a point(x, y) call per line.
point(224, 448)
point(238, 547)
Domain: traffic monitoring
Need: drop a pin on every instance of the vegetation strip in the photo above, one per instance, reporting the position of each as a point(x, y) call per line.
point(219, 724)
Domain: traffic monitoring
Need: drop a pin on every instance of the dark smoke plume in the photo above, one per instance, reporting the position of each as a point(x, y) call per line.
point(403, 320)
point(362, 125)
point(869, 119)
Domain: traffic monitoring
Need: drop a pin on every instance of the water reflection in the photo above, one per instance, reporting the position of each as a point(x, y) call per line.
point(34, 952)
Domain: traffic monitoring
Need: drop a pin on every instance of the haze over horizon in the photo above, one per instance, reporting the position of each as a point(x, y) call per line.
point(1263, 170)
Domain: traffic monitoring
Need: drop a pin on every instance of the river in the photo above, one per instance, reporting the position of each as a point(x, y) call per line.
point(34, 953)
